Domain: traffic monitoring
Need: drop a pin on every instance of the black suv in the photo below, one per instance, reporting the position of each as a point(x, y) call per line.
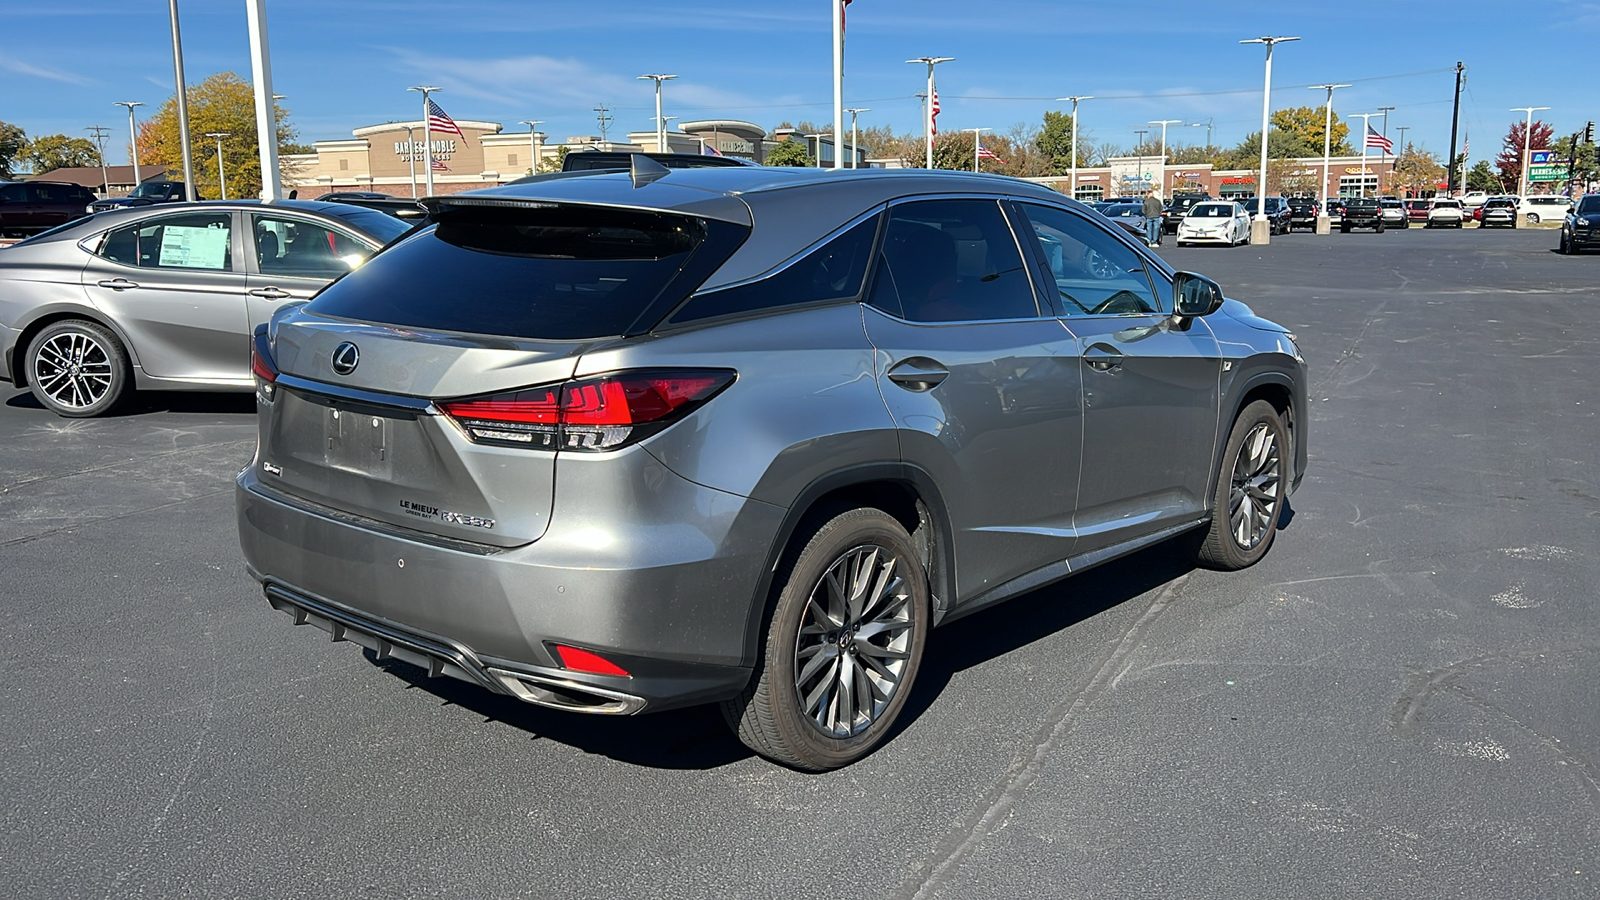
point(1303, 213)
point(146, 194)
point(1582, 226)
point(1177, 208)
point(1362, 212)
point(32, 206)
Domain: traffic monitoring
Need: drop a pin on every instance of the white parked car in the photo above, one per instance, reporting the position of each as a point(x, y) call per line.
point(1445, 213)
point(1543, 208)
point(1474, 199)
point(1215, 222)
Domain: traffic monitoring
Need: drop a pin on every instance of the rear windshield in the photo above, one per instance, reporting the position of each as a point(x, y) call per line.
point(559, 273)
point(1212, 211)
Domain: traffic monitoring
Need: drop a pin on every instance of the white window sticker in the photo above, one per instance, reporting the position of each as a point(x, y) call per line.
point(188, 247)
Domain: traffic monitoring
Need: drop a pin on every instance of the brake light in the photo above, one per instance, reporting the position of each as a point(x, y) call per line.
point(584, 661)
point(261, 367)
point(601, 413)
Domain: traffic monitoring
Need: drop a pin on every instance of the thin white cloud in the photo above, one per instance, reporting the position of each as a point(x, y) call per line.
point(12, 64)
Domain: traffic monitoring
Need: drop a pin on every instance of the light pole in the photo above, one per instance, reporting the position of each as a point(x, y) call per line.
point(134, 133)
point(1139, 148)
point(427, 134)
point(1260, 230)
point(183, 103)
point(977, 136)
point(222, 176)
point(1327, 149)
point(855, 149)
point(266, 106)
point(1527, 146)
point(1365, 127)
point(533, 143)
point(1072, 181)
point(100, 132)
point(1164, 123)
point(661, 126)
point(1207, 123)
point(928, 107)
point(411, 156)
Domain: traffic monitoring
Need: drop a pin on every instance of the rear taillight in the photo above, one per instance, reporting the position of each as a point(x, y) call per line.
point(261, 367)
point(600, 413)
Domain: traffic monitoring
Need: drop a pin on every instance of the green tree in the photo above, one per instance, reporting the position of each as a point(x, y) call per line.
point(1415, 171)
point(1583, 165)
point(1280, 145)
point(12, 141)
point(1055, 142)
point(223, 102)
point(49, 152)
point(1482, 177)
point(789, 153)
point(1306, 123)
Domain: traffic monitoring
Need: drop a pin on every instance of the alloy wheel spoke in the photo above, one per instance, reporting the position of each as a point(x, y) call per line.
point(825, 654)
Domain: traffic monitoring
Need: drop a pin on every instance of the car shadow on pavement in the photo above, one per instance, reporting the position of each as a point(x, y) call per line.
point(147, 402)
point(698, 738)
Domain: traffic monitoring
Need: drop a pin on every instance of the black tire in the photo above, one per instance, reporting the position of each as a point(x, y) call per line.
point(1251, 480)
point(77, 369)
point(1565, 247)
point(1378, 228)
point(1344, 229)
point(771, 716)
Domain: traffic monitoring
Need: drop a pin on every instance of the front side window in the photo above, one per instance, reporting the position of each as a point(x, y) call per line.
point(12, 193)
point(1094, 273)
point(187, 241)
point(297, 247)
point(951, 261)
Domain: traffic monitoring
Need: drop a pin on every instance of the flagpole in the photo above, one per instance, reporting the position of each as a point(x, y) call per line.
point(427, 134)
point(1365, 127)
point(838, 83)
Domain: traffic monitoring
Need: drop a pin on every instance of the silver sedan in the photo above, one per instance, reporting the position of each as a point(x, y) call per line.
point(165, 297)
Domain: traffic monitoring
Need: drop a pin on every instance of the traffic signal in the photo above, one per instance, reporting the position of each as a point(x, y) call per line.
point(1588, 133)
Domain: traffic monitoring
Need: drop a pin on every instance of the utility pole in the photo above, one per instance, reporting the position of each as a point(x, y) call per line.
point(604, 118)
point(1451, 182)
point(222, 175)
point(1072, 181)
point(100, 132)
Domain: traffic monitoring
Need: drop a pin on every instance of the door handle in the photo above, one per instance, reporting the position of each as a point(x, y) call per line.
point(271, 293)
point(1103, 358)
point(918, 373)
point(118, 284)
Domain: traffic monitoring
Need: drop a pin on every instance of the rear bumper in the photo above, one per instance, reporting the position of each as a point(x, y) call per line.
point(669, 602)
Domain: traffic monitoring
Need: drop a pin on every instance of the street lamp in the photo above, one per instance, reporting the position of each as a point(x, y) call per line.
point(134, 132)
point(1327, 145)
point(427, 135)
point(182, 96)
point(1072, 183)
point(855, 149)
point(977, 135)
point(661, 126)
point(222, 176)
point(933, 99)
point(1164, 123)
point(533, 143)
point(1527, 146)
point(1259, 229)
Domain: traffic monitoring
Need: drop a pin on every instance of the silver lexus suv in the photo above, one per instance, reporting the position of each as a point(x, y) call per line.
point(637, 440)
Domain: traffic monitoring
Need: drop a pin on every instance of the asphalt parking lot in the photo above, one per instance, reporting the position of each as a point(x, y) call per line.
point(1399, 701)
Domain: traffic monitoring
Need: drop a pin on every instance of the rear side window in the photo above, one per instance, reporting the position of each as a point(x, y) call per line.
point(187, 241)
point(556, 273)
point(833, 271)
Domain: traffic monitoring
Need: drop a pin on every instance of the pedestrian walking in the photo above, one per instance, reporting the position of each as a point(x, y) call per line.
point(1152, 217)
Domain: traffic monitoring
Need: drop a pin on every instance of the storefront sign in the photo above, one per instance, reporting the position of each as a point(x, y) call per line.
point(1239, 179)
point(408, 150)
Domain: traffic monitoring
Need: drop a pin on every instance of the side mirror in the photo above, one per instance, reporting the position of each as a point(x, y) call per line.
point(1195, 295)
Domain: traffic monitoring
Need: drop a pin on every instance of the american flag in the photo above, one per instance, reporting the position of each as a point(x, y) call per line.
point(440, 123)
point(438, 164)
point(709, 150)
point(986, 153)
point(933, 117)
point(1375, 139)
point(841, 14)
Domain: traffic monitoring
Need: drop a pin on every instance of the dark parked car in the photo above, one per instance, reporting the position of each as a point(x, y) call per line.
point(1581, 228)
point(1177, 208)
point(1497, 212)
point(399, 207)
point(146, 194)
point(1335, 209)
point(614, 159)
point(1303, 212)
point(164, 297)
point(1277, 212)
point(1361, 212)
point(641, 440)
point(27, 207)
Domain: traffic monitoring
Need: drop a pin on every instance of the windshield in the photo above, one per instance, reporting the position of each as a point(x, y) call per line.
point(1212, 211)
point(1117, 210)
point(1589, 205)
point(382, 226)
point(150, 189)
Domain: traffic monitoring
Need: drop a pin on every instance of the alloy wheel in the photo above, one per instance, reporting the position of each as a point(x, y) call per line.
point(73, 369)
point(854, 642)
point(1257, 478)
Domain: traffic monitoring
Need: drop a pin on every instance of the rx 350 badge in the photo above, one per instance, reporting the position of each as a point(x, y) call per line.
point(434, 513)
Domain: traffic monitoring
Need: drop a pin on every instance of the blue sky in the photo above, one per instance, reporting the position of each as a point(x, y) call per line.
point(346, 63)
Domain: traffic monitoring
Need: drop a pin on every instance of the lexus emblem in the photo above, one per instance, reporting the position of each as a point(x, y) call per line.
point(345, 358)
